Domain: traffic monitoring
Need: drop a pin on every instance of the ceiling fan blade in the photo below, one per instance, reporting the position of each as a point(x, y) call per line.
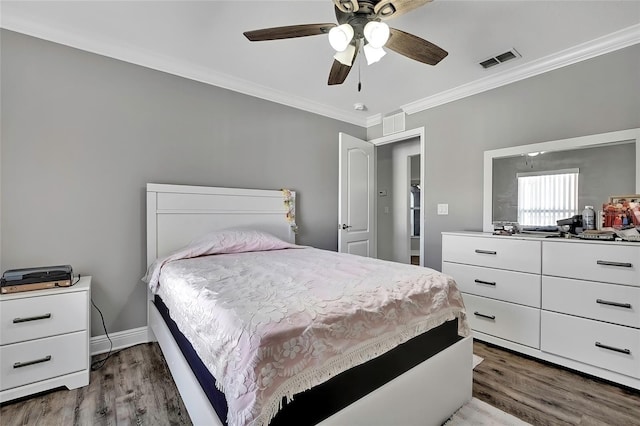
point(347, 6)
point(414, 47)
point(291, 31)
point(338, 73)
point(387, 9)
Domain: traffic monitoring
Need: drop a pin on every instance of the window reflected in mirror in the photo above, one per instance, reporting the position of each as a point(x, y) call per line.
point(546, 197)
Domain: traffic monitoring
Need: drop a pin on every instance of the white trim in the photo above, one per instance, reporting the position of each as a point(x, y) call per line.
point(600, 46)
point(121, 340)
point(608, 43)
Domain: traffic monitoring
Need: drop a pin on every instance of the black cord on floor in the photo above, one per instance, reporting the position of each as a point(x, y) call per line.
point(98, 364)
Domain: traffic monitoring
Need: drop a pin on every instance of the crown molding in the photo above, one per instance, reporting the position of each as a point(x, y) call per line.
point(600, 46)
point(374, 120)
point(609, 43)
point(180, 68)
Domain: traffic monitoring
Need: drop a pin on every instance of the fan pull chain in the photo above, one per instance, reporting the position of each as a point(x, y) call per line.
point(359, 80)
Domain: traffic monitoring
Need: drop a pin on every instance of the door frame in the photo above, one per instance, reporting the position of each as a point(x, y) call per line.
point(400, 137)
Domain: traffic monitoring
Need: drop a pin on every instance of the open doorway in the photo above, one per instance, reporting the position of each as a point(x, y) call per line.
point(415, 191)
point(398, 180)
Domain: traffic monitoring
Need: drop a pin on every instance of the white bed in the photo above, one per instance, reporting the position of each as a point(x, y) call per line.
point(427, 394)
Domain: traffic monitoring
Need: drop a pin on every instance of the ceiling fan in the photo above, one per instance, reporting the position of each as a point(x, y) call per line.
point(360, 25)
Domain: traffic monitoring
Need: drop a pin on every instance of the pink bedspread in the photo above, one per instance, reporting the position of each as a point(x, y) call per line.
point(271, 324)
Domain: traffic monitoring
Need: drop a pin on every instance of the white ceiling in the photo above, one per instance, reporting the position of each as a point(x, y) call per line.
point(203, 40)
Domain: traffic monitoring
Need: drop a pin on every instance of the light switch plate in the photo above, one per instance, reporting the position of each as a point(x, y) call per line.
point(443, 209)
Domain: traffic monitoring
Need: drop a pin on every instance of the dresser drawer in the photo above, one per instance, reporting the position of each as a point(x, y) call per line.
point(508, 321)
point(35, 360)
point(612, 263)
point(46, 315)
point(492, 252)
point(608, 346)
point(509, 286)
point(613, 303)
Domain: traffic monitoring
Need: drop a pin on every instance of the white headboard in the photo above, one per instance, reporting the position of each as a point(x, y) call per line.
point(176, 214)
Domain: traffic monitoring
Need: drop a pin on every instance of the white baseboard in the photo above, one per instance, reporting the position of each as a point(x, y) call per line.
point(121, 340)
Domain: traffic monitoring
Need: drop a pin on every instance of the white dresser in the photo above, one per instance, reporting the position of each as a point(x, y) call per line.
point(571, 302)
point(44, 340)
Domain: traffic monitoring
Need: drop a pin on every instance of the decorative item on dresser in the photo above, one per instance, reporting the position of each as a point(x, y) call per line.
point(44, 340)
point(572, 302)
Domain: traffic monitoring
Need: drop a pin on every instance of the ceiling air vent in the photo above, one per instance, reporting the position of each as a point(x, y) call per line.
point(393, 123)
point(499, 59)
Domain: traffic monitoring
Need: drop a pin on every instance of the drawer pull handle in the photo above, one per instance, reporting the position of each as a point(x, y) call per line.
point(611, 348)
point(484, 282)
point(619, 264)
point(491, 317)
point(35, 361)
point(619, 305)
point(36, 318)
point(486, 252)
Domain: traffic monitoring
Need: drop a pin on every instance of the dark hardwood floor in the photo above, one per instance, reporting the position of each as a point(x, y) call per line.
point(135, 388)
point(542, 394)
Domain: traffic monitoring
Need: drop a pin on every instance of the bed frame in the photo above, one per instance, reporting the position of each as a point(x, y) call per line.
point(428, 394)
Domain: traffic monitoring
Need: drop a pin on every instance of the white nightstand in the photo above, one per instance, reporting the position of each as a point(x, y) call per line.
point(44, 340)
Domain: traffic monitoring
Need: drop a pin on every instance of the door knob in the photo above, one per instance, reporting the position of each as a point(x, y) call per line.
point(344, 226)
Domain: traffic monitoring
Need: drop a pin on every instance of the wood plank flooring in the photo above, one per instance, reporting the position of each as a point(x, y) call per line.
point(542, 394)
point(135, 388)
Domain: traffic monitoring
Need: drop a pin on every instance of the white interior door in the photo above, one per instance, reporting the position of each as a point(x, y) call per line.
point(356, 197)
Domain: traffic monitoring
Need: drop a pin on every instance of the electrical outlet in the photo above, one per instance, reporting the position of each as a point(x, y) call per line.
point(443, 209)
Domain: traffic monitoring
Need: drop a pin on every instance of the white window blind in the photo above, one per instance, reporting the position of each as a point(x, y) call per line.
point(545, 197)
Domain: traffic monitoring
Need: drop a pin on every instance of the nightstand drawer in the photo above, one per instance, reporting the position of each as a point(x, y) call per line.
point(508, 286)
point(517, 323)
point(41, 316)
point(618, 304)
point(29, 362)
point(492, 252)
point(608, 346)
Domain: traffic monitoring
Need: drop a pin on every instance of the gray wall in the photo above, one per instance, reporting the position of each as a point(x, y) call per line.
point(82, 134)
point(594, 96)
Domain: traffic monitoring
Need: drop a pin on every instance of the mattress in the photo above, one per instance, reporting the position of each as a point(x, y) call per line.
point(314, 405)
point(271, 322)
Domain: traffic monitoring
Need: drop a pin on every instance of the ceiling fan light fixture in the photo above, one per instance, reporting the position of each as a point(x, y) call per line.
point(376, 33)
point(346, 56)
point(340, 37)
point(373, 54)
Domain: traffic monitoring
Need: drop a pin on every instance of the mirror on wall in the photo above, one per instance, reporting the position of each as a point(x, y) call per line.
point(539, 183)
